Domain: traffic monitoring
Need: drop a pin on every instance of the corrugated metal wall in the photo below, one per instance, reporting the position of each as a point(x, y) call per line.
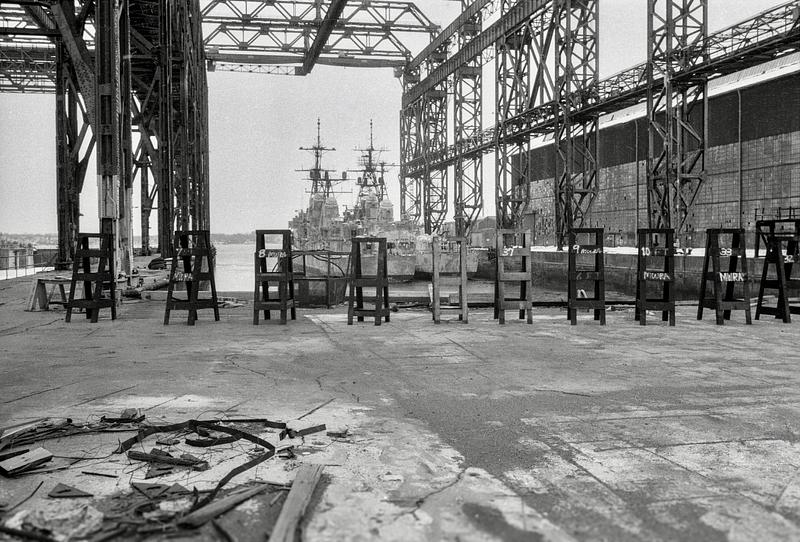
point(761, 180)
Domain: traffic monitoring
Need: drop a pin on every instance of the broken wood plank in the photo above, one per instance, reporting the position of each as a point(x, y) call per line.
point(9, 434)
point(308, 476)
point(196, 464)
point(210, 511)
point(21, 463)
point(299, 428)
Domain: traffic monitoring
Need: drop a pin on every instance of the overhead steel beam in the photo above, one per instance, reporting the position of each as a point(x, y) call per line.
point(324, 32)
point(72, 35)
point(467, 17)
point(217, 60)
point(27, 69)
point(364, 34)
point(516, 16)
point(763, 37)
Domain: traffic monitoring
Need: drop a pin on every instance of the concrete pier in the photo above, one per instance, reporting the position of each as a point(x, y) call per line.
point(456, 432)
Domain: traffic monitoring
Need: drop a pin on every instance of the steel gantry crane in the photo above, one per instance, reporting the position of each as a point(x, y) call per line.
point(130, 80)
point(547, 86)
point(545, 78)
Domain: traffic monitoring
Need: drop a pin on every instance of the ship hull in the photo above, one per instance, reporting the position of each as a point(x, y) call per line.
point(448, 264)
point(401, 267)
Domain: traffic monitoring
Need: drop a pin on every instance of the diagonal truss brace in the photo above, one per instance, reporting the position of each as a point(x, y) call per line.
point(676, 110)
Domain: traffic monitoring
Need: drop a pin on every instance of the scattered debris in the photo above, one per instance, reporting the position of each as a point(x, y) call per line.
point(16, 434)
point(155, 470)
point(210, 511)
point(63, 491)
point(19, 464)
point(300, 428)
point(25, 535)
point(338, 432)
point(196, 464)
point(207, 442)
point(194, 425)
point(129, 415)
point(308, 476)
point(151, 491)
point(176, 489)
point(90, 473)
point(154, 509)
point(65, 523)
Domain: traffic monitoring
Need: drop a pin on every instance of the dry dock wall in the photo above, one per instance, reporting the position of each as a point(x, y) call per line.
point(752, 165)
point(549, 273)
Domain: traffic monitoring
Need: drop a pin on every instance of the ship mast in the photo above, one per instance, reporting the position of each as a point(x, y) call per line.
point(372, 170)
point(320, 178)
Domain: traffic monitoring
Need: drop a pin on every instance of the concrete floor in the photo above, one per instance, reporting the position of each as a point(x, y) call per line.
point(457, 432)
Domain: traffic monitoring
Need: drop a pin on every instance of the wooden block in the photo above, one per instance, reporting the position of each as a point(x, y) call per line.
point(21, 463)
point(308, 476)
point(214, 509)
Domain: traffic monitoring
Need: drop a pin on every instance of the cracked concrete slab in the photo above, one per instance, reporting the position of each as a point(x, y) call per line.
point(456, 432)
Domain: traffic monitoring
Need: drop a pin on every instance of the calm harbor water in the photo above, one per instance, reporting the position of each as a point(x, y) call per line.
point(234, 271)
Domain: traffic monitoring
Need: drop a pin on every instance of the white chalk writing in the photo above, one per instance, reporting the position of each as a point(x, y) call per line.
point(732, 277)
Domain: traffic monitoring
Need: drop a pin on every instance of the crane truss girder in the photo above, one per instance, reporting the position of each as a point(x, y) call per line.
point(468, 124)
point(269, 32)
point(410, 146)
point(27, 69)
point(512, 84)
point(576, 136)
point(433, 127)
point(676, 110)
point(75, 142)
point(763, 37)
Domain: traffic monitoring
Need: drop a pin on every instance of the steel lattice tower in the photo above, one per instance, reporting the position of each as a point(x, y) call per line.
point(676, 110)
point(575, 134)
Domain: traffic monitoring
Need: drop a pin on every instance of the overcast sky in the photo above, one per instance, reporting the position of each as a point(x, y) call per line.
point(257, 123)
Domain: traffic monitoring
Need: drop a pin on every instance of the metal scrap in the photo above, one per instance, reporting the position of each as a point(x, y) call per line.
point(194, 425)
point(196, 464)
point(63, 491)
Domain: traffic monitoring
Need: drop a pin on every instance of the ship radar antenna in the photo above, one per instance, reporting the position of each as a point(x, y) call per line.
point(321, 182)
